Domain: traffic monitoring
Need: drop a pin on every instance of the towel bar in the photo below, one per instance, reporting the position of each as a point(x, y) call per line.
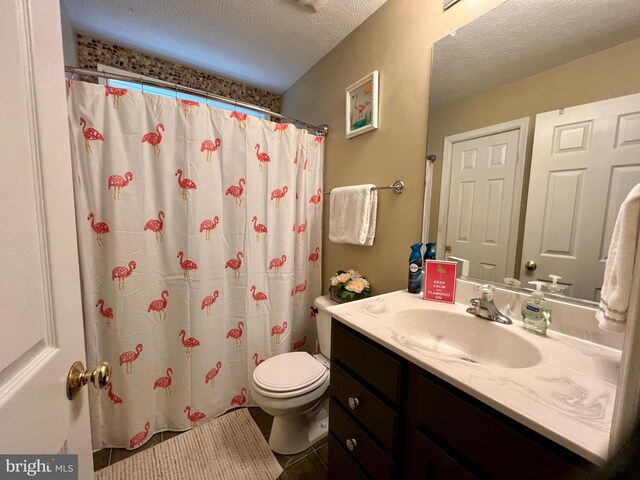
point(397, 187)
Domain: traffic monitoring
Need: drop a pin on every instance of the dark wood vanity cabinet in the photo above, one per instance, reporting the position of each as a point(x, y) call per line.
point(391, 419)
point(430, 461)
point(364, 411)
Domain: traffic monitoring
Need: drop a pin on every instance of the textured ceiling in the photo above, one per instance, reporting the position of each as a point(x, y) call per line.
point(265, 43)
point(520, 38)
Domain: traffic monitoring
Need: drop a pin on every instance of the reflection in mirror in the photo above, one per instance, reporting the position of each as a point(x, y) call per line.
point(535, 113)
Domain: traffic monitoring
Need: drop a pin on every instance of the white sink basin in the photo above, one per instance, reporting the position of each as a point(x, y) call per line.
point(463, 336)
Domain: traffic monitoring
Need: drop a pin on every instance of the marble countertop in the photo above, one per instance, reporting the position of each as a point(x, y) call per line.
point(568, 396)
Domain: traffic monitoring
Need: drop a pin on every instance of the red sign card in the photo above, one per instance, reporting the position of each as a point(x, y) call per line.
point(440, 281)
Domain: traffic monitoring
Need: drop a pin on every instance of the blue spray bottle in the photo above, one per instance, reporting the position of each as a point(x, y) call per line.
point(430, 254)
point(415, 268)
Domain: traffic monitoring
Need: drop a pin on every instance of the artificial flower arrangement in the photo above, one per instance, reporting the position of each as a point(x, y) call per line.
point(349, 285)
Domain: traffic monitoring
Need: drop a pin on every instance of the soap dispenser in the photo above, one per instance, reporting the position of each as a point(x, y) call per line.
point(554, 286)
point(536, 314)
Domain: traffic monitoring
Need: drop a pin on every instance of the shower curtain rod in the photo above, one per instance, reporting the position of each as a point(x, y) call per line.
point(320, 130)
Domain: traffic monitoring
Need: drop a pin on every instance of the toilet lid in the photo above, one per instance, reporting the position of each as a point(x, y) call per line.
point(289, 372)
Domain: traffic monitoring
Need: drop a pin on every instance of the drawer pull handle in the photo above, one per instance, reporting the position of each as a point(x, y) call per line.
point(353, 402)
point(351, 444)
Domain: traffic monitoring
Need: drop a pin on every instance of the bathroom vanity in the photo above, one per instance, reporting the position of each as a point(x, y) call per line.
point(483, 401)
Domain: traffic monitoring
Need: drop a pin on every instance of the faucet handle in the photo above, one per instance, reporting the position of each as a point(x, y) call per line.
point(486, 291)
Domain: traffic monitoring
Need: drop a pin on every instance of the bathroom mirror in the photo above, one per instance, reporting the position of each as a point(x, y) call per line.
point(489, 81)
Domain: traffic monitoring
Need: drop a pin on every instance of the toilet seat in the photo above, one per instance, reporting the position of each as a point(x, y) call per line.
point(289, 375)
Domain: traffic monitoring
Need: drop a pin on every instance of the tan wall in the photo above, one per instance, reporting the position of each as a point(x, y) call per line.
point(396, 41)
point(607, 74)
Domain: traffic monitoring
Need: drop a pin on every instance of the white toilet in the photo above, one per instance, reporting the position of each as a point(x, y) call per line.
point(293, 388)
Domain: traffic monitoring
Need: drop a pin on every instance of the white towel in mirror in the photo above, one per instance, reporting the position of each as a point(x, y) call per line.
point(618, 273)
point(352, 214)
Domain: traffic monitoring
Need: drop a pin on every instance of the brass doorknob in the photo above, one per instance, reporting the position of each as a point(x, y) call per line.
point(530, 265)
point(78, 377)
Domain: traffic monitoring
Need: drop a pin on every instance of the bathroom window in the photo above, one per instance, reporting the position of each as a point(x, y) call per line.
point(168, 92)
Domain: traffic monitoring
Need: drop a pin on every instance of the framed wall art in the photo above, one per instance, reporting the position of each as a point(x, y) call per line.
point(362, 105)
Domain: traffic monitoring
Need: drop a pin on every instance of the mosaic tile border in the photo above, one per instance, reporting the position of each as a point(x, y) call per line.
point(92, 51)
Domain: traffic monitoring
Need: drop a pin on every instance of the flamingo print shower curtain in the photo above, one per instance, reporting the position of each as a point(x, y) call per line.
point(199, 232)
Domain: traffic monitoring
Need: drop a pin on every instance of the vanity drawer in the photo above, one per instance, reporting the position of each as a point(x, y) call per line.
point(367, 454)
point(341, 466)
point(482, 437)
point(375, 366)
point(377, 417)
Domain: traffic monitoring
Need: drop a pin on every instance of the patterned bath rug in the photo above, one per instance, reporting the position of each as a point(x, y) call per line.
point(230, 447)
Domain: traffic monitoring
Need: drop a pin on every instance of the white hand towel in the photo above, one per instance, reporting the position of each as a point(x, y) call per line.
point(618, 273)
point(352, 214)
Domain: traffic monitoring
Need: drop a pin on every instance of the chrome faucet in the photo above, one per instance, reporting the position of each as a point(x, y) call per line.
point(484, 307)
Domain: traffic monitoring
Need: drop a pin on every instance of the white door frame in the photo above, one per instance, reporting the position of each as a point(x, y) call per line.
point(521, 124)
point(40, 285)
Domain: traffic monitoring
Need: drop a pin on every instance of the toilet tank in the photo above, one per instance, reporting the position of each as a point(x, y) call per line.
point(323, 324)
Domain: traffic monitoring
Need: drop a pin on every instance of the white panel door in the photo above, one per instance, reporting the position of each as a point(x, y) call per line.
point(40, 310)
point(481, 203)
point(585, 161)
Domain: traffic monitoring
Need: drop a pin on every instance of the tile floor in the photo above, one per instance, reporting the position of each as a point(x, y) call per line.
point(308, 465)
